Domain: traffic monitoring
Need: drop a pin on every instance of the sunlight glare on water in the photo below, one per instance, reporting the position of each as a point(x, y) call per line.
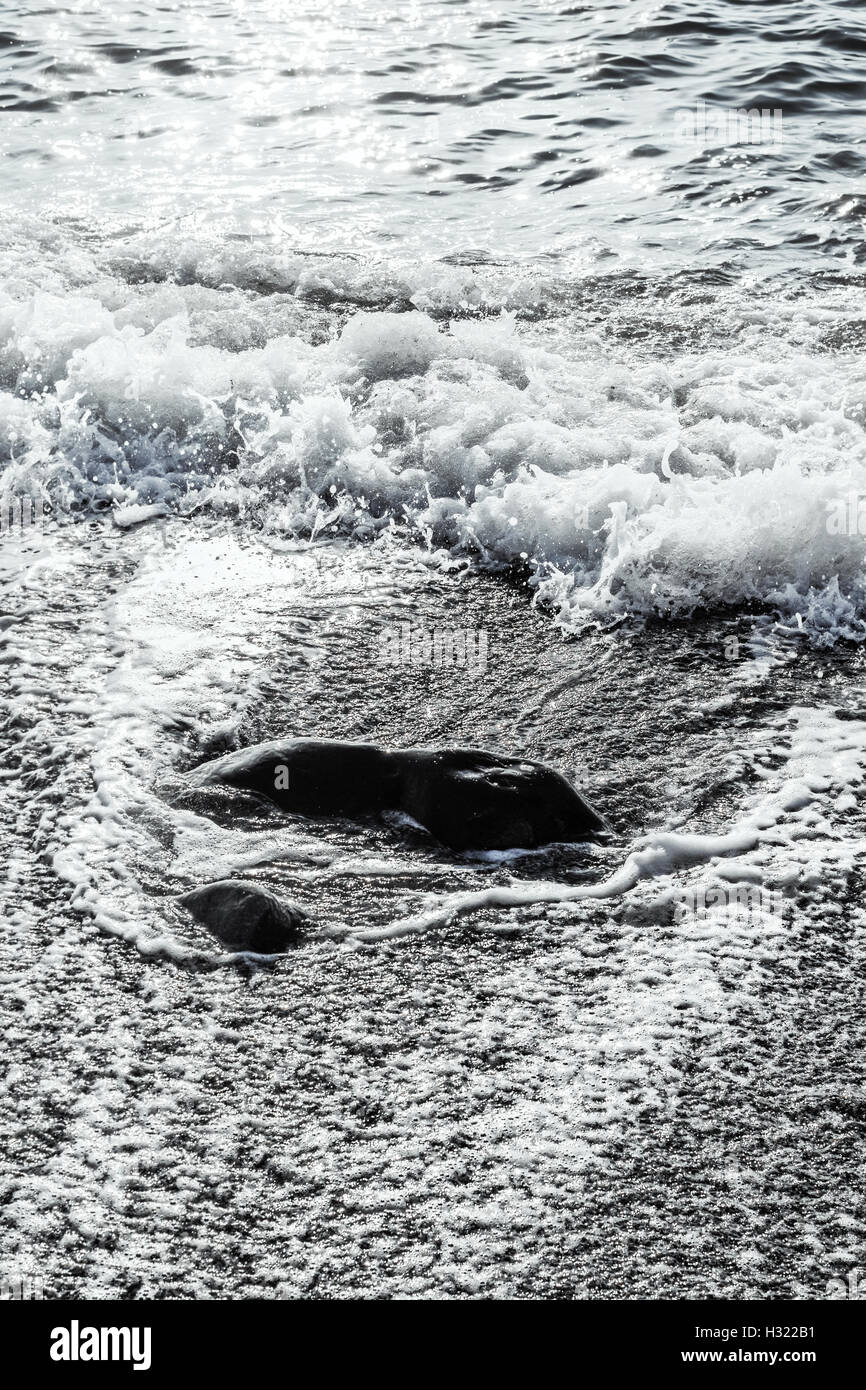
point(546, 129)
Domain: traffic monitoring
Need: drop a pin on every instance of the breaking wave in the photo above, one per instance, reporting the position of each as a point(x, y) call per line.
point(482, 411)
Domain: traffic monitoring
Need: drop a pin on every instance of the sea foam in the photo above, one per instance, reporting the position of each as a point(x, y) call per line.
point(625, 487)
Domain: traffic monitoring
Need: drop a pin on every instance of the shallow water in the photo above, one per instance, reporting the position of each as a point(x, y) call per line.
point(317, 326)
point(470, 1109)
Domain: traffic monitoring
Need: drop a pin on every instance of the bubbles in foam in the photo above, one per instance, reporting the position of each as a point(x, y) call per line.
point(628, 486)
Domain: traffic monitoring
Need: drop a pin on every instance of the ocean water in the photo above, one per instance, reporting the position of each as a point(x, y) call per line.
point(547, 133)
point(537, 324)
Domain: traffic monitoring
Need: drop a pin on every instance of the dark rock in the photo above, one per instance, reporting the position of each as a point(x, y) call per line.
point(470, 799)
point(467, 798)
point(244, 916)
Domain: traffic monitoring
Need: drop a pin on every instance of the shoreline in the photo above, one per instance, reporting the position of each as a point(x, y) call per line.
point(538, 1071)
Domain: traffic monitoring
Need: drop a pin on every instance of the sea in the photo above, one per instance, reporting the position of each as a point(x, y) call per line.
point(456, 374)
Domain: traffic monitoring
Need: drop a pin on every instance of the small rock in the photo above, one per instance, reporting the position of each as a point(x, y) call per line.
point(244, 916)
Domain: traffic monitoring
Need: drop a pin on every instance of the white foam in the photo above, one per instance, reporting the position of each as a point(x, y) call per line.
point(575, 461)
point(190, 636)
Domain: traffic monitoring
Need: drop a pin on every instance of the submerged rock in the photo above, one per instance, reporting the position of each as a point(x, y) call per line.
point(472, 800)
point(244, 916)
point(467, 798)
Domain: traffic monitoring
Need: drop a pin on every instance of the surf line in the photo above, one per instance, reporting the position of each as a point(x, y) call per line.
point(667, 851)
